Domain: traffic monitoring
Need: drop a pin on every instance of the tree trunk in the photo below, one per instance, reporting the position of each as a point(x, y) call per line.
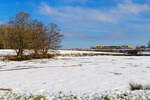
point(20, 53)
point(44, 51)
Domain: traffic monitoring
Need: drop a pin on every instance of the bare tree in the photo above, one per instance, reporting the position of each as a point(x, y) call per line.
point(54, 36)
point(39, 38)
point(4, 35)
point(24, 33)
point(45, 37)
point(16, 34)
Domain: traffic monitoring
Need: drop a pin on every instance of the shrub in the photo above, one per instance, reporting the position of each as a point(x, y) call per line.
point(29, 57)
point(134, 86)
point(147, 87)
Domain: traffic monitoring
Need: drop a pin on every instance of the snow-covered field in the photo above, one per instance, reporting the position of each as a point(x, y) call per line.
point(7, 52)
point(82, 52)
point(108, 75)
point(77, 74)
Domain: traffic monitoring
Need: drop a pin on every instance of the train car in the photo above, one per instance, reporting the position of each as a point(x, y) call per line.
point(112, 47)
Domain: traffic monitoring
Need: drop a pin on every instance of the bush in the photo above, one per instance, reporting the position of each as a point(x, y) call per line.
point(29, 57)
point(134, 86)
point(147, 87)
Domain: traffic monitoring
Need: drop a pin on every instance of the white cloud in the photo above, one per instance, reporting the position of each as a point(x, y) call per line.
point(75, 13)
point(48, 10)
point(125, 10)
point(77, 20)
point(133, 8)
point(122, 22)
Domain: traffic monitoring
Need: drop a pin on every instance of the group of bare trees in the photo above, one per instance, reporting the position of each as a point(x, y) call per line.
point(143, 46)
point(148, 45)
point(22, 32)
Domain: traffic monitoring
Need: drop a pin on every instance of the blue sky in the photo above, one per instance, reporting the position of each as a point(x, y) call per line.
point(87, 23)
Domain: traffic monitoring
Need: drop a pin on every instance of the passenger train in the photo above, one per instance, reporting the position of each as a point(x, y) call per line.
point(112, 47)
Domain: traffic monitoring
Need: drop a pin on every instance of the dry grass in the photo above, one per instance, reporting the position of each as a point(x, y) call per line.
point(147, 87)
point(4, 89)
point(79, 54)
point(134, 86)
point(28, 57)
point(41, 56)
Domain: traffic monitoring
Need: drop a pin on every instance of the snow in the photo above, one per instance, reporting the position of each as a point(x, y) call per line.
point(7, 52)
point(145, 52)
point(77, 74)
point(82, 52)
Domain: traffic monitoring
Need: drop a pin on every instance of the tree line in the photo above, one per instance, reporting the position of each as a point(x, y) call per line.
point(22, 32)
point(143, 46)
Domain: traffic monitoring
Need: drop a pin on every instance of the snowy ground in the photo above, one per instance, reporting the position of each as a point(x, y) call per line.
point(7, 52)
point(81, 52)
point(77, 74)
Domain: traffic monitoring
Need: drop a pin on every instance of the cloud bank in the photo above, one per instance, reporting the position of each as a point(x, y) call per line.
point(123, 11)
point(84, 22)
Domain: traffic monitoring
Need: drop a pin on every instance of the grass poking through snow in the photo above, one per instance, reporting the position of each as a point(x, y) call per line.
point(135, 86)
